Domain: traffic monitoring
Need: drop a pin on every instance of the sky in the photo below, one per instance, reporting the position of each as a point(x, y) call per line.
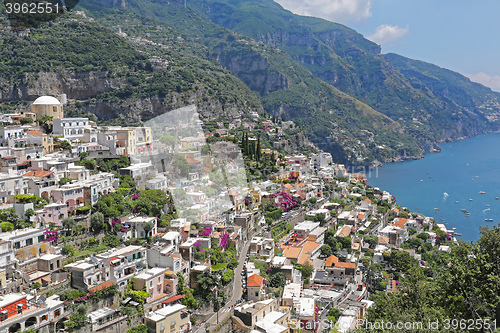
point(461, 35)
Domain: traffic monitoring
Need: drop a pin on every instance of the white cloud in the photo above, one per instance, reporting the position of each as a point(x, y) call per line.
point(340, 11)
point(386, 33)
point(489, 81)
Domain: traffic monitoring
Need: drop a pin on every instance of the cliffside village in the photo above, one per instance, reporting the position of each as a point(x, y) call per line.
point(319, 200)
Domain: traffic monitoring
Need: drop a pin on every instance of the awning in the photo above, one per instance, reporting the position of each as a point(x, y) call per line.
point(173, 299)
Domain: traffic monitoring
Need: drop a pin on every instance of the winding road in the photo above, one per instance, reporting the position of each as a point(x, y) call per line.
point(237, 291)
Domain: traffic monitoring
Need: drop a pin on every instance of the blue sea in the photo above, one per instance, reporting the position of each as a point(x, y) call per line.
point(458, 173)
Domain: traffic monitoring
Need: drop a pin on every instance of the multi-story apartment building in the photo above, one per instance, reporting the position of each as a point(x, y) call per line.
point(18, 313)
point(10, 185)
point(70, 194)
point(170, 319)
point(28, 245)
point(154, 281)
point(134, 228)
point(71, 128)
point(124, 263)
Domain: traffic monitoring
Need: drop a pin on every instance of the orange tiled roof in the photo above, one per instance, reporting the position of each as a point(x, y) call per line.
point(36, 133)
point(255, 280)
point(102, 286)
point(383, 240)
point(39, 173)
point(345, 264)
point(345, 231)
point(304, 258)
point(192, 160)
point(292, 252)
point(331, 260)
point(309, 247)
point(288, 186)
point(400, 223)
point(368, 200)
point(361, 216)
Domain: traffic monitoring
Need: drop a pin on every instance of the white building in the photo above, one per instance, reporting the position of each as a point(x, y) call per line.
point(71, 128)
point(134, 228)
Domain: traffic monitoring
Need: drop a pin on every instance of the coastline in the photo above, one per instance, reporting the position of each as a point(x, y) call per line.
point(435, 149)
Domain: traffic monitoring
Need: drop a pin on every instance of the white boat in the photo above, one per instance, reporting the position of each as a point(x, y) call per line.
point(482, 192)
point(488, 220)
point(470, 200)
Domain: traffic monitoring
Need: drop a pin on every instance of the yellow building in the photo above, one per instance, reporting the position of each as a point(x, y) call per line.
point(170, 319)
point(47, 106)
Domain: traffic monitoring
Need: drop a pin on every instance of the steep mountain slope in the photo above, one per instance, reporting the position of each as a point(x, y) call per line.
point(342, 57)
point(333, 120)
point(113, 77)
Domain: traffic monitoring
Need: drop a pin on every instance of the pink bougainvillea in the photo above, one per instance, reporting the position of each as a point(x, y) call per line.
point(224, 243)
point(51, 235)
point(205, 232)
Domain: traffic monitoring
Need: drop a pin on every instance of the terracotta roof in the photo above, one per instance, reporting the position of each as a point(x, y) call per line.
point(292, 252)
point(383, 240)
point(39, 173)
point(173, 299)
point(102, 286)
point(302, 185)
point(309, 247)
point(9, 157)
point(288, 186)
point(346, 230)
point(36, 133)
point(396, 210)
point(368, 200)
point(255, 280)
point(345, 264)
point(192, 160)
point(361, 216)
point(400, 223)
point(303, 258)
point(331, 260)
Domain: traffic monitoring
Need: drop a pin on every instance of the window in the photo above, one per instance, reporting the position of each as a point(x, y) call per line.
point(29, 241)
point(41, 237)
point(17, 245)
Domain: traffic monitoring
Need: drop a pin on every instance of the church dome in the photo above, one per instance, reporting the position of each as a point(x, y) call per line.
point(46, 100)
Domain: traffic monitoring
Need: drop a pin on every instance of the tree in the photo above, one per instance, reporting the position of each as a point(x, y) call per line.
point(6, 226)
point(68, 224)
point(401, 260)
point(227, 276)
point(206, 281)
point(78, 319)
point(371, 239)
point(97, 221)
point(64, 180)
point(111, 240)
point(180, 163)
point(326, 250)
point(138, 329)
point(26, 120)
point(29, 213)
point(68, 250)
point(277, 280)
point(65, 145)
point(148, 226)
point(306, 269)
